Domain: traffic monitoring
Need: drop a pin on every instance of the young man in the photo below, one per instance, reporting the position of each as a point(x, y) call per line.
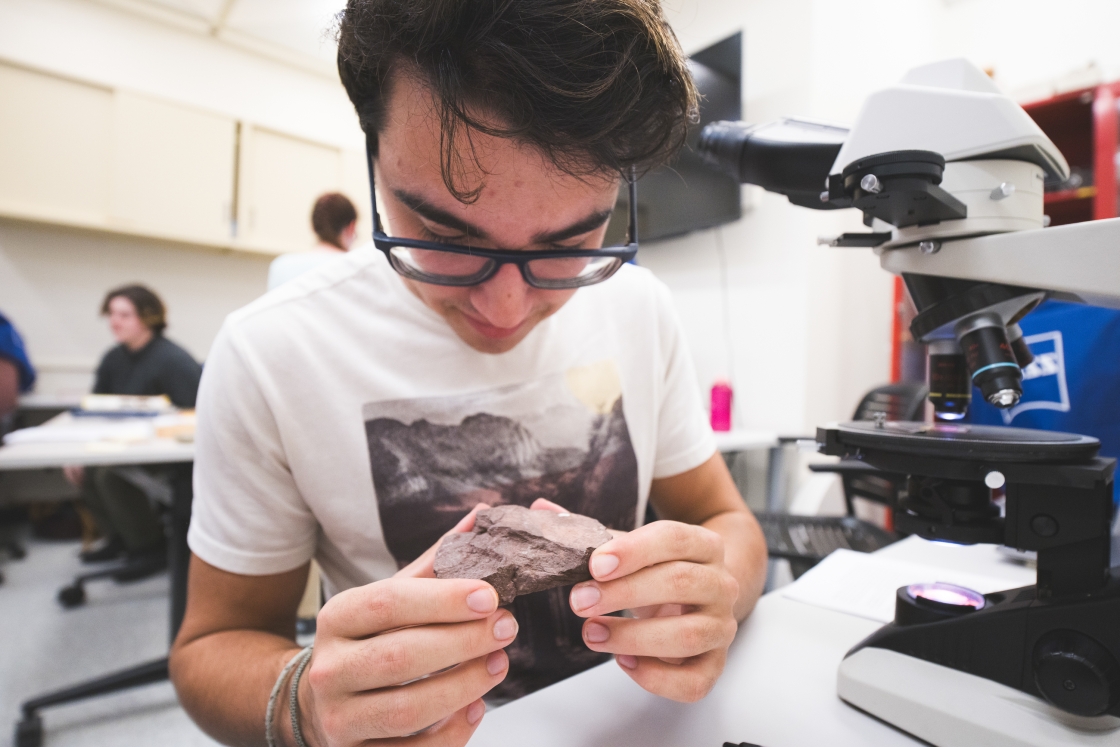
point(365, 409)
point(143, 362)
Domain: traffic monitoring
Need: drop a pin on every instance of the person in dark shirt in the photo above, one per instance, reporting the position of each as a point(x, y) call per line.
point(144, 363)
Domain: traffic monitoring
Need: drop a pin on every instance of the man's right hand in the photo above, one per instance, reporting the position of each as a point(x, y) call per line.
point(403, 656)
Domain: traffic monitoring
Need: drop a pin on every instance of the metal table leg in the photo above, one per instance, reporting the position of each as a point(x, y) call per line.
point(775, 492)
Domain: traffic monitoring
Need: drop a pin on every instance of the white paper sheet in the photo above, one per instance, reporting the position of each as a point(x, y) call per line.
point(76, 432)
point(864, 584)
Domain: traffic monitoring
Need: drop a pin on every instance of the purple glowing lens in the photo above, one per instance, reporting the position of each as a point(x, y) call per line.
point(948, 594)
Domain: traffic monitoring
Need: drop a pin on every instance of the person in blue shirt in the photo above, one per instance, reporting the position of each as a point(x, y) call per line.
point(1073, 385)
point(17, 375)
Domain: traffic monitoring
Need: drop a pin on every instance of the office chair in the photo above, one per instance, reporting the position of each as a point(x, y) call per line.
point(806, 540)
point(158, 490)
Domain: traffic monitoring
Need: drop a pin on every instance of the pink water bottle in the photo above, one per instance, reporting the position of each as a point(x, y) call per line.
point(721, 406)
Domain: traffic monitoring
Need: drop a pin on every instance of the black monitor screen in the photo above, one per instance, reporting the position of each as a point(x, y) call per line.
point(688, 195)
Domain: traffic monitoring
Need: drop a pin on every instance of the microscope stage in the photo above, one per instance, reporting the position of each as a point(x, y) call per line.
point(972, 442)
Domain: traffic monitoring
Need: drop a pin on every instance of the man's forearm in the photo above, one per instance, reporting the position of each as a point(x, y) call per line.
point(224, 679)
point(744, 555)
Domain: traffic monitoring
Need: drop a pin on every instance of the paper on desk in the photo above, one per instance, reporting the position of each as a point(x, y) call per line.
point(125, 431)
point(865, 585)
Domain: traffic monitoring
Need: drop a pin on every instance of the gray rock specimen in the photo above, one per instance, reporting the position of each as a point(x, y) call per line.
point(518, 551)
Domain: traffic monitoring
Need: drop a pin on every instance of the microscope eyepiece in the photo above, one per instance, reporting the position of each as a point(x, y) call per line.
point(789, 156)
point(721, 145)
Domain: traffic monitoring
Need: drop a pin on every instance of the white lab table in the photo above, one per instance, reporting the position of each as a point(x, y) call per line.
point(729, 442)
point(778, 690)
point(96, 453)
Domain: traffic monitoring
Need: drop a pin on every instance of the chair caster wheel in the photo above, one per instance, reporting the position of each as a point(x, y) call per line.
point(29, 732)
point(72, 596)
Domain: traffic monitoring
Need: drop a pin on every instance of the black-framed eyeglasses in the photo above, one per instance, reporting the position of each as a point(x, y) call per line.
point(458, 265)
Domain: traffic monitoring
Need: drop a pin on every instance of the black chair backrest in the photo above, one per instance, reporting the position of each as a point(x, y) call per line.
point(903, 401)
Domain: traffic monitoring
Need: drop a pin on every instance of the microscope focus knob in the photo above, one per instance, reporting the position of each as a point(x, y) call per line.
point(1075, 673)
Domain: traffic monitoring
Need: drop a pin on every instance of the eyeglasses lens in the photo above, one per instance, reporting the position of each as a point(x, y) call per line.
point(450, 268)
point(570, 272)
point(435, 266)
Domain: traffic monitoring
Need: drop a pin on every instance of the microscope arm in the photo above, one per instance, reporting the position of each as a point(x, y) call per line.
point(1080, 259)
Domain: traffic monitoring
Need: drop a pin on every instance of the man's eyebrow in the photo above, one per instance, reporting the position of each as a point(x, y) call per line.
point(422, 207)
point(425, 209)
point(585, 225)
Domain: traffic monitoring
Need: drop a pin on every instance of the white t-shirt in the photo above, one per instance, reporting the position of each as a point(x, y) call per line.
point(340, 418)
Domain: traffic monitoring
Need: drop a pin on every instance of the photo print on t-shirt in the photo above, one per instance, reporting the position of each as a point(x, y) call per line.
point(563, 437)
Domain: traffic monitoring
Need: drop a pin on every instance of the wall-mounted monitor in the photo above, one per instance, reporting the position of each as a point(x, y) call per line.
point(688, 195)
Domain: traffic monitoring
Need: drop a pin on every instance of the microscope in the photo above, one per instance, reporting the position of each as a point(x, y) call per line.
point(948, 173)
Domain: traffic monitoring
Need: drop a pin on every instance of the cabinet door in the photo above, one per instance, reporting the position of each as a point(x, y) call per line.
point(54, 147)
point(281, 177)
point(172, 169)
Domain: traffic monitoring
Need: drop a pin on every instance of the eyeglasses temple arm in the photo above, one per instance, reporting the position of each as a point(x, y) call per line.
point(372, 188)
point(633, 206)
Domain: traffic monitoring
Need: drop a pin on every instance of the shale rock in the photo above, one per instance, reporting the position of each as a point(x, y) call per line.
point(518, 551)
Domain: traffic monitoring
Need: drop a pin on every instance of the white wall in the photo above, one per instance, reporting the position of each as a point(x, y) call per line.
point(51, 279)
point(811, 325)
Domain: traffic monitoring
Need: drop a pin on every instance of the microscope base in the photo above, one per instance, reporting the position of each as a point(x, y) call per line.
point(948, 708)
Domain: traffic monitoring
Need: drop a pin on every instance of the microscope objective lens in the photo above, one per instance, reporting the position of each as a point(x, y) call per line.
point(950, 388)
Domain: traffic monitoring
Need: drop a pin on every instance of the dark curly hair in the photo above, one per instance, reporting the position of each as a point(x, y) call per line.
point(148, 306)
point(597, 85)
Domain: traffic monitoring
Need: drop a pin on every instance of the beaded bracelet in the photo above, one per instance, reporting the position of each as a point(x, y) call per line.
point(293, 701)
point(270, 710)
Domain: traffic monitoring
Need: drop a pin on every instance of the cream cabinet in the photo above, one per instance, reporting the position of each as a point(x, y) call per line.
point(281, 177)
point(172, 169)
point(77, 154)
point(55, 142)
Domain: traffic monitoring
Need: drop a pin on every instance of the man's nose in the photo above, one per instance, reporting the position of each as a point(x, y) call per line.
point(503, 299)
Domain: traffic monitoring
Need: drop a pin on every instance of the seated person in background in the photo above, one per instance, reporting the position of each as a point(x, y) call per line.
point(144, 363)
point(16, 373)
point(364, 411)
point(334, 221)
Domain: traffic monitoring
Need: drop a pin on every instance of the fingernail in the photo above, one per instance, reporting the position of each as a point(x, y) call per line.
point(475, 711)
point(596, 633)
point(628, 661)
point(602, 565)
point(505, 628)
point(585, 596)
point(495, 662)
point(482, 600)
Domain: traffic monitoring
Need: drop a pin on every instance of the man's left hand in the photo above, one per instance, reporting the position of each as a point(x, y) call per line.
point(672, 578)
